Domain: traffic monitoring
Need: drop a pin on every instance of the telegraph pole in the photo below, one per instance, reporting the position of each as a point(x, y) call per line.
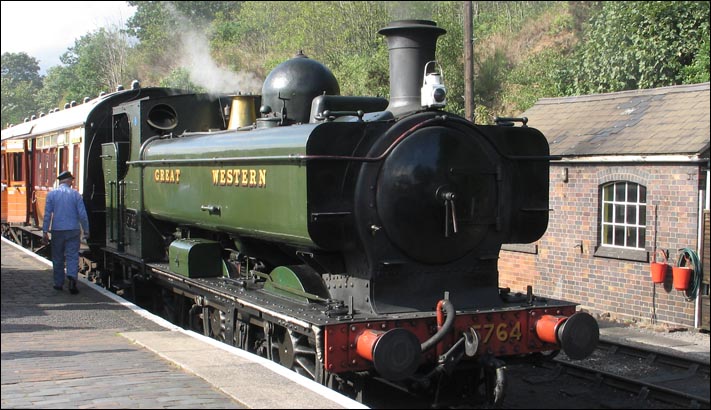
point(468, 62)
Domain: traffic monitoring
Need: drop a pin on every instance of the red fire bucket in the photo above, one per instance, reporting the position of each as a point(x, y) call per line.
point(659, 271)
point(682, 274)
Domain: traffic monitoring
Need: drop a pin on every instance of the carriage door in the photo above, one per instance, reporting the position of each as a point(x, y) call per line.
point(14, 182)
point(5, 183)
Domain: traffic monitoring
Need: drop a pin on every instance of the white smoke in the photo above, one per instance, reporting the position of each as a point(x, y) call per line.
point(207, 74)
point(204, 71)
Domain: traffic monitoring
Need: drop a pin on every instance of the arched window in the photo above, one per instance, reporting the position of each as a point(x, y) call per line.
point(624, 215)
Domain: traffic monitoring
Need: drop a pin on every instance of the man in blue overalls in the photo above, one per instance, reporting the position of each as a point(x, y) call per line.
point(65, 213)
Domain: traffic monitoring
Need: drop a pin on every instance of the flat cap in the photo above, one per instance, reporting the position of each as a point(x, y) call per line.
point(65, 175)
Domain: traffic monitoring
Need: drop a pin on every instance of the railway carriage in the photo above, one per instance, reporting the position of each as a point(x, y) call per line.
point(36, 151)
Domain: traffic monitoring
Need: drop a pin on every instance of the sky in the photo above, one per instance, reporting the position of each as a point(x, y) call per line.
point(46, 29)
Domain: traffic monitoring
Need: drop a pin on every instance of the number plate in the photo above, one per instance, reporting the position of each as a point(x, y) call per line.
point(503, 332)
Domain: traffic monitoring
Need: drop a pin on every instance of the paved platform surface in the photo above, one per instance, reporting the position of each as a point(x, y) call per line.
point(94, 350)
point(686, 343)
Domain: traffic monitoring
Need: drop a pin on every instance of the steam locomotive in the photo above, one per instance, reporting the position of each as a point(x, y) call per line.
point(347, 238)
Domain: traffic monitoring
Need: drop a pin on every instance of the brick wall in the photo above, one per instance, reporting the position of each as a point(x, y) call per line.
point(623, 288)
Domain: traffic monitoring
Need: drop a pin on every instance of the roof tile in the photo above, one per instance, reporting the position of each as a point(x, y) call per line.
point(652, 121)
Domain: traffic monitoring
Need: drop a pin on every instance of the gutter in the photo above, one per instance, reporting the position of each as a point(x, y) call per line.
point(686, 159)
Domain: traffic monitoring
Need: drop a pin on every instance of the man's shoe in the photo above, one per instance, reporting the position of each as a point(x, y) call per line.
point(73, 286)
point(57, 287)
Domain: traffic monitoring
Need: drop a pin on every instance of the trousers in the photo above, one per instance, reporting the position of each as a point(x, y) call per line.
point(65, 249)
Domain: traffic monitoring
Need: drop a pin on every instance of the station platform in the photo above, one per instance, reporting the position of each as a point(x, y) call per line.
point(685, 343)
point(95, 350)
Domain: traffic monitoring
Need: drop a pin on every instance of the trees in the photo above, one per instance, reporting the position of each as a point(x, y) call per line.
point(20, 67)
point(20, 83)
point(698, 70)
point(97, 62)
point(640, 44)
point(164, 30)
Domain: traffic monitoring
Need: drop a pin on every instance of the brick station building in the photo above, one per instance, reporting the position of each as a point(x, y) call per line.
point(634, 177)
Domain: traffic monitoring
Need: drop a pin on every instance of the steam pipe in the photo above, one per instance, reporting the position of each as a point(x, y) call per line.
point(446, 306)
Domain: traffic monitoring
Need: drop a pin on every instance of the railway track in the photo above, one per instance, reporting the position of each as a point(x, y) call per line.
point(649, 375)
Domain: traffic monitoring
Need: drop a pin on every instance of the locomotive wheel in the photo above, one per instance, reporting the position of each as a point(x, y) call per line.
point(104, 279)
point(218, 324)
point(294, 351)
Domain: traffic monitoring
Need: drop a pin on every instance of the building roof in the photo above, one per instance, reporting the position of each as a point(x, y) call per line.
point(659, 121)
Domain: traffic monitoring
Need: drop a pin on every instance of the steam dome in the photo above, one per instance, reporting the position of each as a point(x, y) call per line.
point(297, 81)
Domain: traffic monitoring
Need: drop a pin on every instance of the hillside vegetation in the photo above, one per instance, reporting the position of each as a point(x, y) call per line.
point(523, 50)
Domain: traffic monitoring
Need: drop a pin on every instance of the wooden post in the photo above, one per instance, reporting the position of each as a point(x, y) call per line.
point(468, 62)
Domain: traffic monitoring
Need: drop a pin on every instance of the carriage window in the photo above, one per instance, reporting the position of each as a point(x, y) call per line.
point(63, 159)
point(37, 172)
point(17, 168)
point(44, 159)
point(75, 160)
point(52, 167)
point(624, 215)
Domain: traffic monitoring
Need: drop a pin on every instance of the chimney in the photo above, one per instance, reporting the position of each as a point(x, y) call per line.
point(411, 44)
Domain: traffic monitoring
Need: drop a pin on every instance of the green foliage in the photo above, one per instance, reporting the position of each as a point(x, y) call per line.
point(91, 65)
point(497, 64)
point(320, 29)
point(581, 12)
point(640, 44)
point(204, 12)
point(482, 115)
point(180, 78)
point(450, 51)
point(156, 23)
point(20, 83)
point(364, 75)
point(20, 67)
point(57, 83)
point(562, 23)
point(17, 101)
point(262, 36)
point(542, 75)
point(698, 71)
point(489, 80)
point(505, 16)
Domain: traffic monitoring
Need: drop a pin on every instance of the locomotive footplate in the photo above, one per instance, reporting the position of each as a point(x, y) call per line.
point(508, 331)
point(322, 313)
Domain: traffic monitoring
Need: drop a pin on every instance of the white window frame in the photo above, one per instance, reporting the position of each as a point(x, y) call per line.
point(623, 211)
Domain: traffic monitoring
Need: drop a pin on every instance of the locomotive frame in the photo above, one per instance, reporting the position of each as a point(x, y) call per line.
point(290, 235)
